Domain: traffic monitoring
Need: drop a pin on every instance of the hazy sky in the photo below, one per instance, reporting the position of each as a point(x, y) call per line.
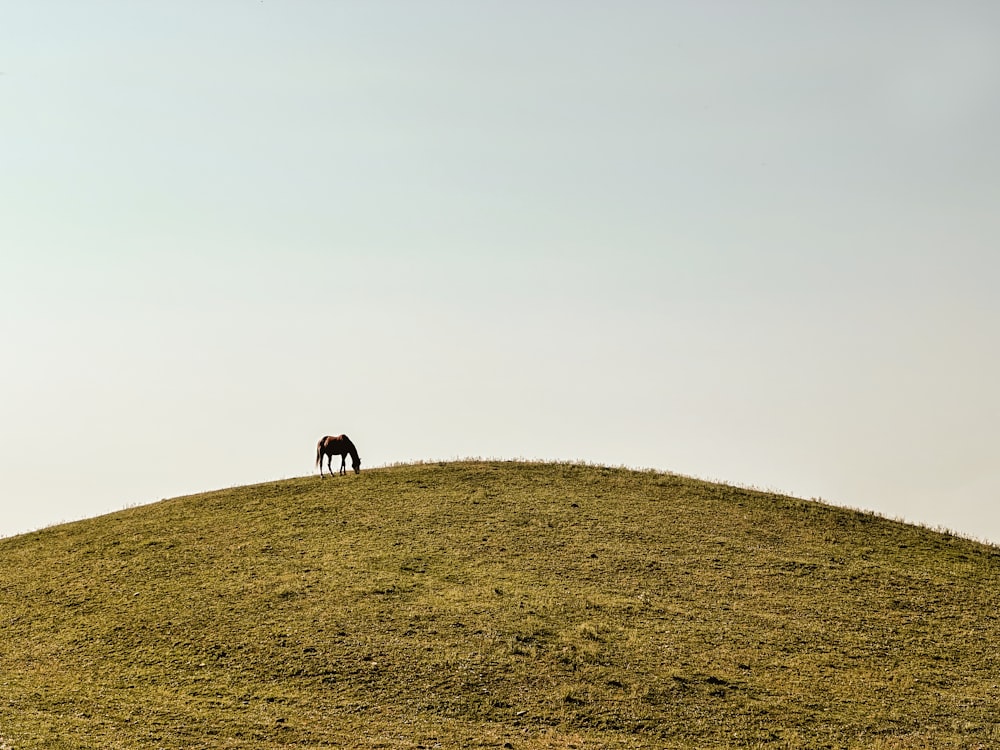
point(756, 242)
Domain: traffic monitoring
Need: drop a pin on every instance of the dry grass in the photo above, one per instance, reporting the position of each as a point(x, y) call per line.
point(492, 604)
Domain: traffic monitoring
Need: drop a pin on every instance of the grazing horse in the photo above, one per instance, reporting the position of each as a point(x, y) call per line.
point(341, 445)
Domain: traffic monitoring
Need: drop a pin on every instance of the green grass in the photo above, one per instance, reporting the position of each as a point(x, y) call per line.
point(492, 605)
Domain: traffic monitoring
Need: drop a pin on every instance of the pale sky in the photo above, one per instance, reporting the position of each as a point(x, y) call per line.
point(754, 242)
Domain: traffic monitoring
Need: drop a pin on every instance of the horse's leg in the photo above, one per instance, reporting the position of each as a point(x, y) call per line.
point(343, 464)
point(321, 457)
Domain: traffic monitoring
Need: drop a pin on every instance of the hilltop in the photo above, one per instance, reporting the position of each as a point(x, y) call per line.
point(495, 605)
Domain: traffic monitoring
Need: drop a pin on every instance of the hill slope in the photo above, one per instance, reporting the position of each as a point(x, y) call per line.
point(496, 605)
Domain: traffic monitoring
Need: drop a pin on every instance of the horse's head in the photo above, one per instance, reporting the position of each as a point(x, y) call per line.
point(356, 463)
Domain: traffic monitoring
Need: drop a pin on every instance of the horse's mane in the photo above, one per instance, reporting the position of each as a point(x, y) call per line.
point(350, 448)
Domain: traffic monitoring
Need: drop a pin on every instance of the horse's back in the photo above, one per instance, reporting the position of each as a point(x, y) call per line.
point(333, 441)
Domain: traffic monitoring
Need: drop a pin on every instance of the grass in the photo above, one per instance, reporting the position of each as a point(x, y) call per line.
point(494, 605)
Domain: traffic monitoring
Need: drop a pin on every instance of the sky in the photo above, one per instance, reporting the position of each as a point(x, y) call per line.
point(751, 242)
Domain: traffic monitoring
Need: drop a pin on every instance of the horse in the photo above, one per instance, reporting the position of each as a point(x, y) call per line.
point(328, 447)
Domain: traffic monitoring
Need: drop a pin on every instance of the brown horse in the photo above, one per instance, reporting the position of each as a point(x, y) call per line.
point(341, 445)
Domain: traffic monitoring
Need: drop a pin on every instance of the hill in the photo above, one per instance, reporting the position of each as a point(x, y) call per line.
point(497, 605)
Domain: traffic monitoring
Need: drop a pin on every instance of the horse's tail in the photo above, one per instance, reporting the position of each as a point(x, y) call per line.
point(319, 451)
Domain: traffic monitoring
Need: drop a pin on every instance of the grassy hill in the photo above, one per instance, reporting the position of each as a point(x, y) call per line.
point(497, 605)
